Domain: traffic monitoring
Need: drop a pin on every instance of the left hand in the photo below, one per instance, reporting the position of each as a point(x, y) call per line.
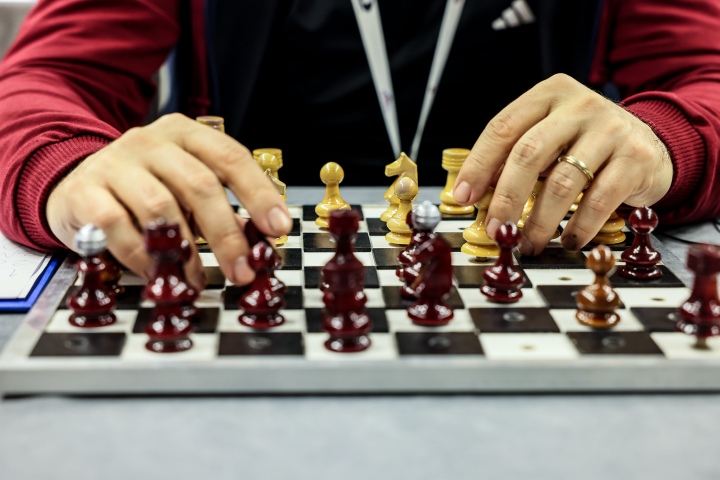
point(560, 116)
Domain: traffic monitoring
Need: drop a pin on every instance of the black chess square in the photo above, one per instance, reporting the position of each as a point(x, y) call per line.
point(80, 344)
point(313, 274)
point(240, 343)
point(438, 343)
point(668, 280)
point(376, 227)
point(293, 297)
point(291, 258)
point(454, 239)
point(296, 228)
point(513, 320)
point(215, 278)
point(470, 276)
point(553, 258)
point(614, 343)
point(323, 242)
point(386, 258)
point(393, 300)
point(562, 296)
point(128, 300)
point(616, 247)
point(309, 215)
point(657, 319)
point(314, 320)
point(206, 321)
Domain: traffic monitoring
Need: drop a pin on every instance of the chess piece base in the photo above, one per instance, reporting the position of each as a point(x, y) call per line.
point(430, 314)
point(398, 238)
point(348, 345)
point(158, 345)
point(497, 295)
point(450, 209)
point(700, 330)
point(595, 320)
point(92, 321)
point(609, 238)
point(480, 250)
point(262, 321)
point(640, 273)
point(408, 293)
point(321, 222)
point(281, 240)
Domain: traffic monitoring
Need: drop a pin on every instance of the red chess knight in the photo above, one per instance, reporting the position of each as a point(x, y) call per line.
point(434, 281)
point(343, 278)
point(409, 268)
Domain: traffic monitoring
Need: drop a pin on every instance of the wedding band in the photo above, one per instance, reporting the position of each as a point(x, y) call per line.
point(580, 165)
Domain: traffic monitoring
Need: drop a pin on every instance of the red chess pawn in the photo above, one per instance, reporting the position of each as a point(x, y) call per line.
point(641, 258)
point(409, 268)
point(345, 318)
point(434, 281)
point(503, 280)
point(263, 299)
point(170, 327)
point(700, 314)
point(112, 274)
point(94, 301)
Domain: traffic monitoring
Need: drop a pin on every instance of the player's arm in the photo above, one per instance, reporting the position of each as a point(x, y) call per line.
point(631, 161)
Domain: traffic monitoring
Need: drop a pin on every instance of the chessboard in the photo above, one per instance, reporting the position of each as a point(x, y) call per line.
point(534, 345)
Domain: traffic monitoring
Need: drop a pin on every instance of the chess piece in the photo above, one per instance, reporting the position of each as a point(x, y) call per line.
point(529, 204)
point(345, 318)
point(503, 280)
point(418, 220)
point(170, 328)
point(275, 152)
point(262, 300)
point(112, 274)
point(576, 203)
point(331, 175)
point(216, 123)
point(402, 167)
point(611, 231)
point(700, 314)
point(406, 190)
point(641, 258)
point(452, 161)
point(270, 161)
point(478, 243)
point(434, 282)
point(597, 302)
point(93, 303)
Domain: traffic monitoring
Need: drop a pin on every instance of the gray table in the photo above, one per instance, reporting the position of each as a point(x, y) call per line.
point(414, 437)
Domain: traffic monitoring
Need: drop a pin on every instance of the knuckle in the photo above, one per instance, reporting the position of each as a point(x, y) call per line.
point(500, 128)
point(506, 200)
point(598, 205)
point(171, 119)
point(158, 204)
point(106, 217)
point(561, 80)
point(562, 186)
point(539, 230)
point(204, 185)
point(230, 155)
point(526, 151)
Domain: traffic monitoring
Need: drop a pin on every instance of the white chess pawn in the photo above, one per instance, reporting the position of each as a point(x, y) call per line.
point(331, 175)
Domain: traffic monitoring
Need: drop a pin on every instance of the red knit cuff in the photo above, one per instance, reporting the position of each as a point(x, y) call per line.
point(42, 171)
point(684, 143)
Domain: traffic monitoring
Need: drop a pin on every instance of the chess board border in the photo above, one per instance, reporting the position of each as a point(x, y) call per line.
point(263, 375)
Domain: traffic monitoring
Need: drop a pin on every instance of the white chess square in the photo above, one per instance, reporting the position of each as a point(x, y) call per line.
point(295, 278)
point(60, 322)
point(473, 298)
point(313, 298)
point(310, 227)
point(679, 346)
point(556, 276)
point(293, 241)
point(653, 297)
point(389, 278)
point(374, 211)
point(208, 259)
point(566, 321)
point(528, 346)
point(398, 321)
point(382, 347)
point(459, 259)
point(319, 259)
point(294, 322)
point(205, 347)
point(210, 298)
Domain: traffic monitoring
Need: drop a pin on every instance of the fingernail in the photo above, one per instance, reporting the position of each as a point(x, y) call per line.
point(279, 220)
point(569, 243)
point(492, 227)
point(461, 193)
point(243, 272)
point(526, 248)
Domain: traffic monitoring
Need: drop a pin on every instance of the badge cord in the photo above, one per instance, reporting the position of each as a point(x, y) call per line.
point(367, 15)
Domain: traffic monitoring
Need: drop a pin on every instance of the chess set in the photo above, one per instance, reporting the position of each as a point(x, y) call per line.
point(377, 320)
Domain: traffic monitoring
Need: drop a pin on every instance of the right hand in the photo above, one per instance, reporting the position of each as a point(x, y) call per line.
point(173, 168)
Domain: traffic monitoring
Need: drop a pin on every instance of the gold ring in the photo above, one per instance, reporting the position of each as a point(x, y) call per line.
point(580, 165)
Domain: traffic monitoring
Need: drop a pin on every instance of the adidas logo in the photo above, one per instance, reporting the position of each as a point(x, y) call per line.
point(517, 14)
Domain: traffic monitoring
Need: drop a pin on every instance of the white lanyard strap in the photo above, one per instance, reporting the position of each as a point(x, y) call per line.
point(367, 14)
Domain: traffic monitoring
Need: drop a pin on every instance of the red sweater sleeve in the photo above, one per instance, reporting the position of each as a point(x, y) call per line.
point(665, 59)
point(79, 73)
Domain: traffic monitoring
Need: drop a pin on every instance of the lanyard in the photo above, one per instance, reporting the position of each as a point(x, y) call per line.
point(367, 15)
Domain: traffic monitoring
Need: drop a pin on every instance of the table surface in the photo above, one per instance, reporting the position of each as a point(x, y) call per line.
point(358, 437)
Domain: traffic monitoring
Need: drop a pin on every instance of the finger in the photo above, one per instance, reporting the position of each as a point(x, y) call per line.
point(148, 199)
point(560, 190)
point(533, 152)
point(235, 167)
point(199, 191)
point(105, 212)
point(611, 187)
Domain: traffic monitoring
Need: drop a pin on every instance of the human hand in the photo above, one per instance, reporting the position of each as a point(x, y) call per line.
point(560, 116)
point(174, 168)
